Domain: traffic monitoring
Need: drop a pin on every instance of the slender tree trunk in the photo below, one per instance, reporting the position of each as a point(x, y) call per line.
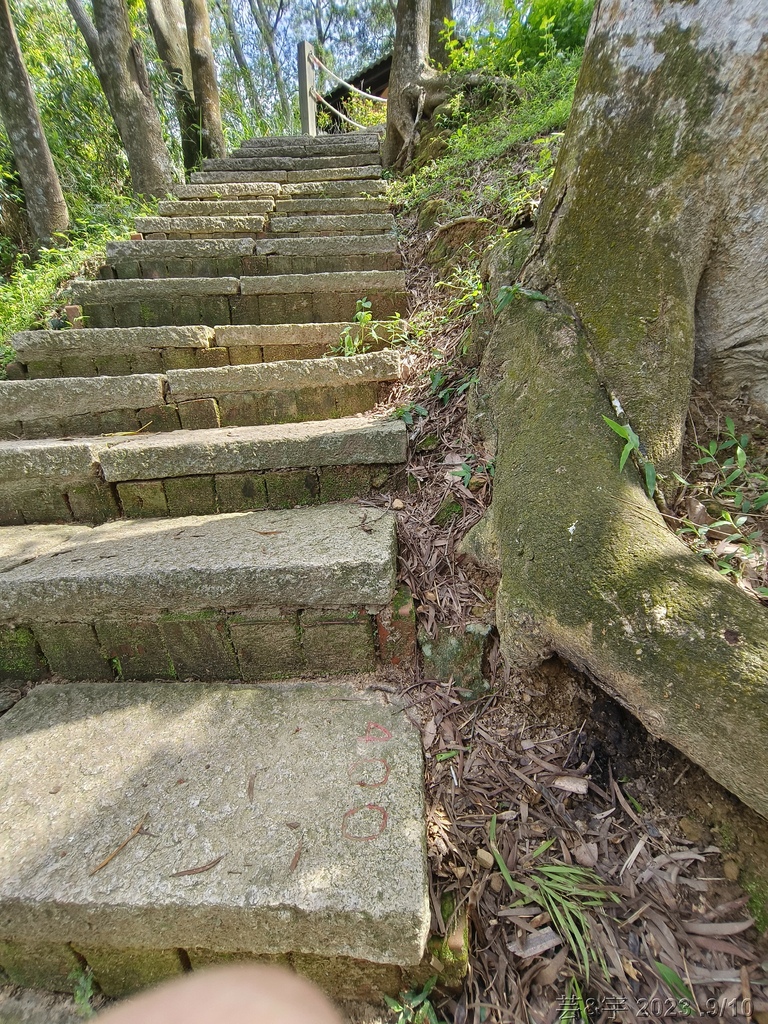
point(642, 251)
point(439, 12)
point(414, 88)
point(267, 32)
point(204, 77)
point(169, 29)
point(122, 72)
point(44, 200)
point(251, 91)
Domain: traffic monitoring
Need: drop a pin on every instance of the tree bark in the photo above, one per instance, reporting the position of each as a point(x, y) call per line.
point(44, 200)
point(204, 78)
point(439, 12)
point(642, 250)
point(120, 66)
point(169, 30)
point(415, 89)
point(267, 32)
point(251, 91)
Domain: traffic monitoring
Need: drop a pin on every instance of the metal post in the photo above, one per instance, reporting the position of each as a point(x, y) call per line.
point(307, 103)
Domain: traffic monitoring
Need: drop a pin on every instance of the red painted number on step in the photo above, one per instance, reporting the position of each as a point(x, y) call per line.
point(357, 772)
point(375, 733)
point(347, 822)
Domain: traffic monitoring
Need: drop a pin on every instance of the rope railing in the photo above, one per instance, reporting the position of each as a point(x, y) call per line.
point(336, 113)
point(314, 59)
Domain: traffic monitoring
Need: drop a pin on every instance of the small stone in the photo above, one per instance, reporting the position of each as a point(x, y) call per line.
point(496, 882)
point(397, 504)
point(731, 870)
point(485, 858)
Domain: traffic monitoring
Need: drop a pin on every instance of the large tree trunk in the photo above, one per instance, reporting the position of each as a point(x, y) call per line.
point(642, 248)
point(122, 72)
point(169, 29)
point(440, 11)
point(246, 72)
point(267, 29)
point(44, 200)
point(415, 89)
point(204, 78)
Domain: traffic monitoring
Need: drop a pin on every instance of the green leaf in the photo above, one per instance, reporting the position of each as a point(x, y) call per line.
point(674, 982)
point(741, 457)
point(628, 448)
point(444, 755)
point(650, 478)
point(618, 428)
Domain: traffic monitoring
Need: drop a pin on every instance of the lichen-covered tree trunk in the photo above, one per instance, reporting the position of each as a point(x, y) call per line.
point(204, 78)
point(44, 200)
point(120, 66)
point(169, 30)
point(650, 245)
point(415, 89)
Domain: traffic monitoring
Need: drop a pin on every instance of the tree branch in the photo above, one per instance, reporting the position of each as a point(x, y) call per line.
point(85, 25)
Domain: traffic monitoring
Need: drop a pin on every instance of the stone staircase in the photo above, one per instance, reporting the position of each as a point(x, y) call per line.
point(202, 772)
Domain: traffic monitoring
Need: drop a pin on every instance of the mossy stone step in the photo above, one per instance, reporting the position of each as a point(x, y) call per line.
point(119, 351)
point(329, 145)
point(323, 174)
point(255, 585)
point(274, 299)
point(303, 161)
point(215, 207)
point(344, 205)
point(247, 225)
point(197, 472)
point(332, 224)
point(233, 780)
point(236, 190)
point(286, 391)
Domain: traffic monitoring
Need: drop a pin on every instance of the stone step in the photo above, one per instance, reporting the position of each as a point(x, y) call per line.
point(250, 226)
point(292, 145)
point(314, 205)
point(287, 391)
point(303, 806)
point(307, 174)
point(236, 257)
point(300, 162)
point(332, 224)
point(248, 596)
point(279, 298)
point(118, 351)
point(197, 472)
point(334, 189)
point(64, 480)
point(215, 207)
point(236, 190)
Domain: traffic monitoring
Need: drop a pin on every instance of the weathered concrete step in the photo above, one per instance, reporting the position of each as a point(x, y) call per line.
point(334, 189)
point(202, 227)
point(214, 773)
point(197, 472)
point(215, 207)
point(314, 205)
point(291, 145)
point(227, 596)
point(290, 298)
point(300, 162)
point(118, 351)
point(287, 391)
point(236, 190)
point(288, 177)
point(332, 224)
point(242, 257)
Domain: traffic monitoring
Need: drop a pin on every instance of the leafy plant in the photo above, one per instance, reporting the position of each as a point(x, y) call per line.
point(83, 991)
point(440, 383)
point(414, 1007)
point(632, 446)
point(567, 893)
point(407, 412)
point(737, 485)
point(677, 986)
point(364, 332)
point(509, 292)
